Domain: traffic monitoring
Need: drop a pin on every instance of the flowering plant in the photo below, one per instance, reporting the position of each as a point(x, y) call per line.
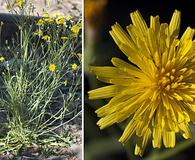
point(40, 88)
point(155, 90)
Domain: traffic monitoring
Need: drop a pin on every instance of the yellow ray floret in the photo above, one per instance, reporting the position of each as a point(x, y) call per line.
point(156, 92)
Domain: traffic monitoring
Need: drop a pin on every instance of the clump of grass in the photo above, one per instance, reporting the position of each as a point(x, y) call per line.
point(40, 81)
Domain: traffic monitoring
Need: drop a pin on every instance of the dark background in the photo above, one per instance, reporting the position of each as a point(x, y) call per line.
point(103, 145)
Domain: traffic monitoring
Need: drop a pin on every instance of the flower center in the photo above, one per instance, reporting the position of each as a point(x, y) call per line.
point(171, 80)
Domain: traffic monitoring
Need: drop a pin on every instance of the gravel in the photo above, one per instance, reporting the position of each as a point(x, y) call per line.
point(66, 7)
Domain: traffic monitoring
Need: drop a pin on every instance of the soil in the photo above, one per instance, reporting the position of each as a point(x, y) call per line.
point(74, 152)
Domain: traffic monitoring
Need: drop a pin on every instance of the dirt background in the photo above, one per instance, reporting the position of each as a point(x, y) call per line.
point(66, 7)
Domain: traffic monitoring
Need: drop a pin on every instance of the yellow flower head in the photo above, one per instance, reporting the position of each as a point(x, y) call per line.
point(64, 38)
point(46, 38)
point(65, 82)
point(52, 67)
point(76, 28)
point(38, 33)
point(60, 20)
point(20, 2)
point(40, 22)
point(48, 20)
point(94, 11)
point(157, 91)
point(74, 66)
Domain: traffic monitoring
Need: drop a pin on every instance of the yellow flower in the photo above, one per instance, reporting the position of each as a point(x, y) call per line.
point(56, 14)
point(76, 28)
point(45, 15)
point(38, 33)
point(74, 66)
point(2, 59)
point(65, 82)
point(157, 92)
point(94, 12)
point(40, 22)
point(46, 38)
point(79, 56)
point(52, 67)
point(48, 20)
point(69, 18)
point(64, 38)
point(60, 20)
point(20, 2)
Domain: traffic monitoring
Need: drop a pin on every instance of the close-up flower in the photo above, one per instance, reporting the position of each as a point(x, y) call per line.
point(155, 89)
point(52, 67)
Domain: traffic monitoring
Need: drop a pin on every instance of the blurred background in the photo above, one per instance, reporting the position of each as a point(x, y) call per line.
point(64, 7)
point(99, 16)
point(9, 32)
